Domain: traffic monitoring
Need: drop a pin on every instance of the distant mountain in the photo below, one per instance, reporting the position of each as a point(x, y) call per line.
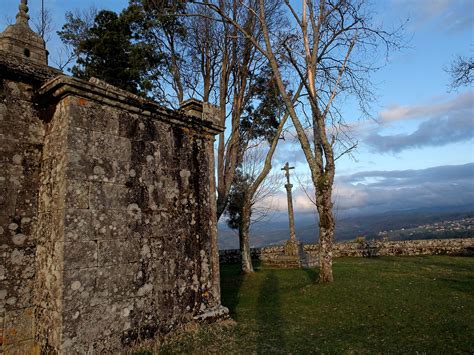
point(347, 228)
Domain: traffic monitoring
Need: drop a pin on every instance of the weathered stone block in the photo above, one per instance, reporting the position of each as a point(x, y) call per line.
point(21, 348)
point(78, 225)
point(77, 194)
point(3, 111)
point(49, 296)
point(110, 146)
point(107, 170)
point(19, 326)
point(80, 112)
point(121, 282)
point(50, 227)
point(7, 202)
point(55, 145)
point(119, 251)
point(79, 255)
point(80, 140)
point(20, 263)
point(108, 196)
point(48, 330)
point(82, 289)
point(82, 327)
point(157, 225)
point(141, 128)
point(79, 166)
point(109, 224)
point(16, 293)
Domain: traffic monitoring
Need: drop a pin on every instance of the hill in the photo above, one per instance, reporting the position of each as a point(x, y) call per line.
point(348, 228)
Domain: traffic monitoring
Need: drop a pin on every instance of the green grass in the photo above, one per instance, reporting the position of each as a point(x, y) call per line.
point(387, 304)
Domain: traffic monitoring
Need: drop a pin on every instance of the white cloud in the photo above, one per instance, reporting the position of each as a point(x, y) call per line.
point(378, 191)
point(432, 108)
point(442, 123)
point(451, 15)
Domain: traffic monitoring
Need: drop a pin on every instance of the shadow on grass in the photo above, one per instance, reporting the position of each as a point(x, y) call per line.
point(312, 274)
point(465, 285)
point(269, 317)
point(231, 281)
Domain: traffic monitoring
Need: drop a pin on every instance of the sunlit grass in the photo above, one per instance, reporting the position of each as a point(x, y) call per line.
point(389, 304)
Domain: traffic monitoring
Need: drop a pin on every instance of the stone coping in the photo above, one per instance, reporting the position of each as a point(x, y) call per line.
point(99, 91)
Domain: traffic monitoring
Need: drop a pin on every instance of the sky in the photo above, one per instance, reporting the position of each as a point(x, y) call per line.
point(418, 150)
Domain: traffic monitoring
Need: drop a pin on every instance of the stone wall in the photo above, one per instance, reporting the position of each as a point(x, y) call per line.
point(21, 145)
point(366, 249)
point(107, 215)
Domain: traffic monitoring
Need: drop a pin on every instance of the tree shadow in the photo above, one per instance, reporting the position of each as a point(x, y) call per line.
point(465, 285)
point(231, 281)
point(312, 274)
point(269, 318)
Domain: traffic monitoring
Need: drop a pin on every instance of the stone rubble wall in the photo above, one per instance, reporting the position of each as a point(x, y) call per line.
point(107, 217)
point(367, 249)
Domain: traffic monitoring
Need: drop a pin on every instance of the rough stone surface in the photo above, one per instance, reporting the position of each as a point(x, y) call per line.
point(271, 255)
point(21, 144)
point(107, 216)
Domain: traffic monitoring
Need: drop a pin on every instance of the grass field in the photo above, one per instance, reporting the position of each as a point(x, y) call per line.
point(387, 304)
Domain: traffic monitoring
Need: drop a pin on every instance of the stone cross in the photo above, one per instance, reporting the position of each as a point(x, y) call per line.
point(288, 187)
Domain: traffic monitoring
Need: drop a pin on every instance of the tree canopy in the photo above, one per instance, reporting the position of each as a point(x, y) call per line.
point(116, 49)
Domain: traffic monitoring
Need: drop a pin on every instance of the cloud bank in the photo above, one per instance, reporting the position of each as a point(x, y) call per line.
point(376, 191)
point(443, 123)
point(379, 191)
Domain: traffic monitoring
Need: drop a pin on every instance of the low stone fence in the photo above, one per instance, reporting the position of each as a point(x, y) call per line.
point(463, 246)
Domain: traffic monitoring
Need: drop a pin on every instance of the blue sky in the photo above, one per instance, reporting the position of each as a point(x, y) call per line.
point(422, 129)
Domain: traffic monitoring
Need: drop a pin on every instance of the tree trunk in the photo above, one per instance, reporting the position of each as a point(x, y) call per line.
point(244, 241)
point(221, 203)
point(326, 231)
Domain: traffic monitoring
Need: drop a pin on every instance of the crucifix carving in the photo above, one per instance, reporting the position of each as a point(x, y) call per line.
point(287, 169)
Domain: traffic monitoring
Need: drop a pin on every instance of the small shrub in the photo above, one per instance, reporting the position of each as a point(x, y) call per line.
point(360, 239)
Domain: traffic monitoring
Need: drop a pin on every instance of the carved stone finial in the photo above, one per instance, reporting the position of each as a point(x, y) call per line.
point(21, 41)
point(22, 16)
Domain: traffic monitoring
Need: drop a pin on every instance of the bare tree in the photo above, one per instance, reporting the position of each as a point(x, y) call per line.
point(241, 62)
point(228, 64)
point(250, 197)
point(461, 70)
point(215, 62)
point(318, 52)
point(43, 23)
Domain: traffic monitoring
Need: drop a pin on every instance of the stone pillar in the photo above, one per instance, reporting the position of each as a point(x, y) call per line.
point(291, 217)
point(210, 113)
point(291, 246)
